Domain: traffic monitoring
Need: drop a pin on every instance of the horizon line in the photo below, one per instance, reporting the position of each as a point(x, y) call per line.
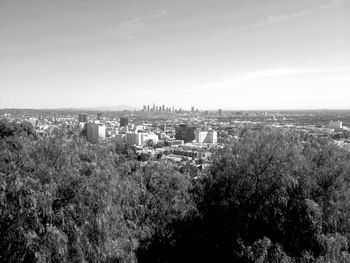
point(91, 108)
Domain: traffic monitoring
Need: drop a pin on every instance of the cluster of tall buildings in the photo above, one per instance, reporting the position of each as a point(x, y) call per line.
point(160, 108)
point(93, 130)
point(140, 135)
point(164, 108)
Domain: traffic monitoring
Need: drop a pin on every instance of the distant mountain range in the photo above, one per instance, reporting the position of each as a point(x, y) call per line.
point(103, 108)
point(109, 108)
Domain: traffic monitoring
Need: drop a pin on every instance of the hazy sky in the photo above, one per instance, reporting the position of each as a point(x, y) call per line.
point(238, 54)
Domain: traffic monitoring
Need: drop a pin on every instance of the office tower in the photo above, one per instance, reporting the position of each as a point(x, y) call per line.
point(163, 107)
point(124, 121)
point(95, 131)
point(82, 117)
point(148, 108)
point(133, 138)
point(99, 116)
point(192, 109)
point(206, 136)
point(154, 107)
point(144, 107)
point(220, 112)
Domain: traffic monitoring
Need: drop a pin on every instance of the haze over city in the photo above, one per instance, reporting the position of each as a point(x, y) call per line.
point(255, 54)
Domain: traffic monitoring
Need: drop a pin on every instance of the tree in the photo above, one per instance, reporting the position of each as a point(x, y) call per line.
point(54, 210)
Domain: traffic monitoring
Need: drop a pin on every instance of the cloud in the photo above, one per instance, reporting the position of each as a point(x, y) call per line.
point(130, 28)
point(271, 74)
point(275, 88)
point(332, 4)
point(274, 19)
point(159, 14)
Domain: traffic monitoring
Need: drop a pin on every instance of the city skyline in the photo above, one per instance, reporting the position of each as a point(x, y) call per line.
point(232, 55)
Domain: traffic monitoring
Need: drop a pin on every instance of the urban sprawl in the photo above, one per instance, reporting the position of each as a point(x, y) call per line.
point(178, 135)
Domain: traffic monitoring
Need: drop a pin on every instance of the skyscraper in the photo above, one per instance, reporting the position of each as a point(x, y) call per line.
point(82, 117)
point(95, 131)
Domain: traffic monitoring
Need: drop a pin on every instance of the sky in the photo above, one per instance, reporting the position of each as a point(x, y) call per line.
point(210, 54)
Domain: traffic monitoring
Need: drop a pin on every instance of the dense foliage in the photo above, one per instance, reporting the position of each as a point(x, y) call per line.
point(270, 196)
point(185, 133)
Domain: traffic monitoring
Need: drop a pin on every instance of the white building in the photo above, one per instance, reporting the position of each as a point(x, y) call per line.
point(140, 138)
point(209, 136)
point(336, 125)
point(95, 131)
point(145, 137)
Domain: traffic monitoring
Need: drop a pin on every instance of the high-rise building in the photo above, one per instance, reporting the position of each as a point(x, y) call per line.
point(148, 108)
point(82, 117)
point(220, 112)
point(133, 138)
point(163, 107)
point(99, 116)
point(124, 121)
point(95, 131)
point(206, 136)
point(192, 109)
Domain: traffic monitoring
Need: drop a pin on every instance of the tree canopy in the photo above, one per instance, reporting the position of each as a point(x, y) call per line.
point(270, 196)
